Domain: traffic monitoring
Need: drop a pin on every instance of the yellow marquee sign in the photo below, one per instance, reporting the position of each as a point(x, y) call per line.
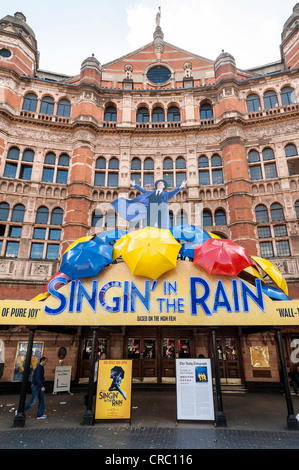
point(186, 295)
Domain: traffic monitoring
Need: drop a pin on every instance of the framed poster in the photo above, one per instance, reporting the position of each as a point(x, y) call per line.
point(114, 389)
point(194, 390)
point(37, 353)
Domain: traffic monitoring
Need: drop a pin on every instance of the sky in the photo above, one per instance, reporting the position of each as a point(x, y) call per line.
point(69, 31)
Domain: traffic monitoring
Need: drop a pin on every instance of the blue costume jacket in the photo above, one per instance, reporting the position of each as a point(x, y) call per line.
point(137, 209)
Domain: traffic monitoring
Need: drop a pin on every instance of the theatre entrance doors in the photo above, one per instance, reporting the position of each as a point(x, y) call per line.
point(154, 350)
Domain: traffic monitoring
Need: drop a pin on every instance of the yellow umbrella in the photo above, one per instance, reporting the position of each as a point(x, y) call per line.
point(213, 235)
point(150, 252)
point(250, 274)
point(272, 271)
point(42, 296)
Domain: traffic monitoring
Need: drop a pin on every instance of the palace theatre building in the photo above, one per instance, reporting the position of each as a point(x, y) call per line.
point(69, 146)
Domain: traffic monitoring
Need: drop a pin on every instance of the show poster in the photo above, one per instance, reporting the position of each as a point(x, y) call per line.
point(37, 352)
point(194, 390)
point(114, 389)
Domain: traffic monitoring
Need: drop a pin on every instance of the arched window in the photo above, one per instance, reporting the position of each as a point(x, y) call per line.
point(167, 164)
point(180, 163)
point(268, 154)
point(276, 212)
point(261, 213)
point(54, 170)
point(206, 111)
point(18, 213)
point(204, 175)
point(158, 115)
point(253, 156)
point(292, 159)
point(57, 216)
point(136, 164)
point(62, 173)
point(11, 167)
point(110, 114)
point(97, 218)
point(4, 211)
point(168, 171)
point(100, 176)
point(270, 99)
point(207, 219)
point(173, 114)
point(148, 164)
point(113, 175)
point(42, 215)
point(253, 103)
point(220, 217)
point(288, 96)
point(296, 209)
point(30, 102)
point(28, 155)
point(217, 173)
point(64, 108)
point(136, 167)
point(142, 115)
point(110, 221)
point(47, 105)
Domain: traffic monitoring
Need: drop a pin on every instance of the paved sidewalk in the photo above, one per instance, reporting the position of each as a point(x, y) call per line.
point(254, 421)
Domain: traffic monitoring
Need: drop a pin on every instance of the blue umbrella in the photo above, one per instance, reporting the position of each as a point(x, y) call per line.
point(190, 233)
point(274, 293)
point(86, 259)
point(188, 249)
point(111, 235)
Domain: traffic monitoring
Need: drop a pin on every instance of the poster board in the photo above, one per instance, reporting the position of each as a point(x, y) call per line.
point(114, 390)
point(19, 365)
point(62, 380)
point(194, 390)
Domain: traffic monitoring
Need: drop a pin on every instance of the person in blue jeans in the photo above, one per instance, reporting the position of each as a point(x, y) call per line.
point(38, 389)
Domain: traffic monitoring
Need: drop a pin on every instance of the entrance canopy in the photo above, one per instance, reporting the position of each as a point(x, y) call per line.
point(185, 295)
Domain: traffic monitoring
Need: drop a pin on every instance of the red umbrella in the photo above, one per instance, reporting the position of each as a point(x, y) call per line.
point(218, 256)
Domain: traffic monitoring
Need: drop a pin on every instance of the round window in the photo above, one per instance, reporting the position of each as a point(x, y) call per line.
point(5, 53)
point(159, 74)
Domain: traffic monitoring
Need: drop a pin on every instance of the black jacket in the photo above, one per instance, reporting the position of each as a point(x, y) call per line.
point(38, 376)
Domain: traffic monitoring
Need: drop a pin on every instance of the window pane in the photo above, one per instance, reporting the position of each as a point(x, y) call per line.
point(55, 234)
point(47, 105)
point(277, 212)
point(280, 230)
point(180, 176)
point(113, 164)
point(56, 217)
point(39, 233)
point(42, 215)
point(25, 172)
point(4, 211)
point(148, 164)
point(158, 115)
point(13, 153)
point(283, 248)
point(50, 158)
point(255, 173)
point(266, 250)
point(52, 252)
point(291, 150)
point(10, 170)
point(253, 156)
point(62, 176)
point(48, 175)
point(168, 177)
point(207, 219)
point(206, 111)
point(288, 96)
point(36, 250)
point(64, 160)
point(270, 170)
point(167, 164)
point(203, 162)
point(270, 100)
point(168, 348)
point(220, 217)
point(101, 163)
point(99, 179)
point(110, 114)
point(264, 232)
point(142, 115)
point(18, 213)
point(28, 155)
point(268, 154)
point(180, 163)
point(261, 214)
point(15, 232)
point(30, 102)
point(136, 177)
point(136, 164)
point(64, 108)
point(113, 179)
point(148, 179)
point(173, 114)
point(184, 348)
point(204, 178)
point(217, 176)
point(296, 209)
point(253, 103)
point(12, 249)
point(97, 219)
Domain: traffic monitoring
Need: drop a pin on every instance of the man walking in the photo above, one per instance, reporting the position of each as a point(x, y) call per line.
point(38, 389)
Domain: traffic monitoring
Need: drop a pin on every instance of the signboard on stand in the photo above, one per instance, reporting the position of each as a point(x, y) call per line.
point(114, 389)
point(194, 390)
point(62, 381)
